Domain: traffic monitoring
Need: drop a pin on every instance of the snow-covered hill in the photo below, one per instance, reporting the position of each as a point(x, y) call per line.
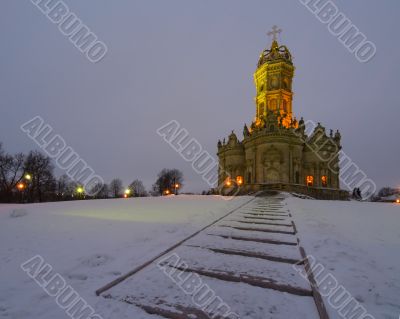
point(91, 243)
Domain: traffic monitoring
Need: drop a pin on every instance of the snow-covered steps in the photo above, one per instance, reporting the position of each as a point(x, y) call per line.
point(247, 217)
point(288, 254)
point(258, 227)
point(251, 233)
point(245, 259)
point(259, 222)
point(261, 214)
point(156, 294)
point(241, 267)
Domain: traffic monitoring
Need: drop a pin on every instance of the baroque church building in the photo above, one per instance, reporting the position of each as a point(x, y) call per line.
point(276, 152)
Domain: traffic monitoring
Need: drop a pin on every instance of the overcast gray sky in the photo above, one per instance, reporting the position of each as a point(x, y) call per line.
point(193, 61)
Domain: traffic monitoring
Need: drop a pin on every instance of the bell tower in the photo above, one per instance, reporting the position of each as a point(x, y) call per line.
point(273, 80)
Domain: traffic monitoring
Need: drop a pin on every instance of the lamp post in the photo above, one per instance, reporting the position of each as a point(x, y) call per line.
point(80, 191)
point(28, 178)
point(21, 187)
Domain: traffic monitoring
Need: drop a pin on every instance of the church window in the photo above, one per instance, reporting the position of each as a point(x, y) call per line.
point(273, 104)
point(324, 181)
point(310, 180)
point(284, 105)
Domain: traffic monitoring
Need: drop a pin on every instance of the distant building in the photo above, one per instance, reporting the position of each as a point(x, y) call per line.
point(275, 151)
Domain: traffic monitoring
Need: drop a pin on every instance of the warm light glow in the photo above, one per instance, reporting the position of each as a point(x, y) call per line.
point(239, 180)
point(125, 196)
point(398, 201)
point(28, 177)
point(176, 185)
point(127, 191)
point(167, 192)
point(228, 182)
point(310, 180)
point(324, 180)
point(21, 186)
point(79, 190)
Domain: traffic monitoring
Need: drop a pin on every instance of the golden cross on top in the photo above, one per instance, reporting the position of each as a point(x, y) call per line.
point(275, 31)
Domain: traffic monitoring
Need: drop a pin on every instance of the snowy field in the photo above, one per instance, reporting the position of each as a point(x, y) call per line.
point(358, 243)
point(91, 243)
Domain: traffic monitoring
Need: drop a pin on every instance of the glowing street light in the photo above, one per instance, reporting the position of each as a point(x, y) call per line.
point(127, 191)
point(28, 177)
point(398, 201)
point(20, 186)
point(167, 192)
point(80, 190)
point(176, 186)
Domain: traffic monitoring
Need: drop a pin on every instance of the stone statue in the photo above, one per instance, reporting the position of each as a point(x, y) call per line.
point(246, 132)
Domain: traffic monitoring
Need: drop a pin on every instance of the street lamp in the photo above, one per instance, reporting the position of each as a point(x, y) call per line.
point(21, 186)
point(28, 177)
point(127, 193)
point(176, 188)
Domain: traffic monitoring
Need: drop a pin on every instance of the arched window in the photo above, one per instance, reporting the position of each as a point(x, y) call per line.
point(324, 181)
point(284, 103)
point(310, 180)
point(273, 104)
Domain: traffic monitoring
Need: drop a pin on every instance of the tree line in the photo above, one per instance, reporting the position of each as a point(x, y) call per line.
point(30, 178)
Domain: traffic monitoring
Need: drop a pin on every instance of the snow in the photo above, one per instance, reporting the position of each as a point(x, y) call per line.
point(91, 243)
point(359, 244)
point(240, 281)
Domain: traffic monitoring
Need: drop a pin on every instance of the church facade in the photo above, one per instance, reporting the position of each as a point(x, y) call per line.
point(276, 150)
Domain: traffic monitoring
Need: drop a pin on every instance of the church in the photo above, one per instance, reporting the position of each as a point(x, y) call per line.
point(277, 151)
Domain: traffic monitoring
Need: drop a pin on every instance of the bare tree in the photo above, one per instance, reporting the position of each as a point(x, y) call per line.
point(137, 188)
point(43, 184)
point(116, 187)
point(167, 179)
point(11, 173)
point(100, 191)
point(62, 186)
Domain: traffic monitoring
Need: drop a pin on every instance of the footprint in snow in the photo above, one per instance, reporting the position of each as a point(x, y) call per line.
point(18, 213)
point(96, 260)
point(77, 277)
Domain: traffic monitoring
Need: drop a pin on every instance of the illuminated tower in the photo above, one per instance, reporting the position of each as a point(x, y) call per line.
point(273, 80)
